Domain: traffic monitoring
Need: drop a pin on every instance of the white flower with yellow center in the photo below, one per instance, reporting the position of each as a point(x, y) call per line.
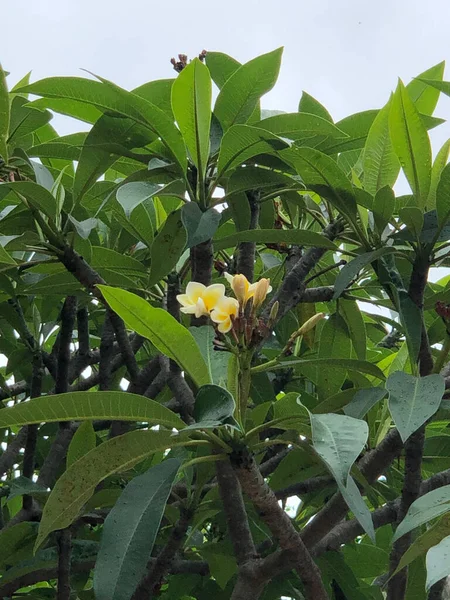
point(199, 299)
point(224, 312)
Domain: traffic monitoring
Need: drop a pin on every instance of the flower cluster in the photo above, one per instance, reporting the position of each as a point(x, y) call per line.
point(200, 300)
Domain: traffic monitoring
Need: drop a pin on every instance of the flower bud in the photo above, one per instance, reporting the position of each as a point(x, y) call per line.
point(240, 288)
point(273, 314)
point(261, 290)
point(310, 324)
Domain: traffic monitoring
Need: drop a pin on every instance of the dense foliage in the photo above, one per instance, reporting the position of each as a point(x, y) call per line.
point(225, 367)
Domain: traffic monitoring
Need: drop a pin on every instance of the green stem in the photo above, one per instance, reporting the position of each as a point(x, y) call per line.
point(204, 459)
point(244, 381)
point(443, 355)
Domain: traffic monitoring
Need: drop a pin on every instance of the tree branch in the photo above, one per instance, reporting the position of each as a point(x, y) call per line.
point(11, 455)
point(201, 270)
point(247, 250)
point(280, 524)
point(235, 513)
point(64, 554)
point(291, 291)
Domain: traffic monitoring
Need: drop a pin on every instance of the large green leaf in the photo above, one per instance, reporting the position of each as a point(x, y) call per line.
point(300, 237)
point(310, 105)
point(380, 163)
point(221, 66)
point(243, 89)
point(217, 362)
point(81, 406)
point(191, 103)
point(359, 366)
point(438, 562)
point(411, 143)
point(321, 174)
point(424, 96)
point(35, 194)
point(413, 400)
point(5, 258)
point(443, 196)
point(439, 163)
point(213, 404)
point(108, 97)
point(77, 484)
point(301, 125)
point(200, 225)
point(242, 142)
point(363, 401)
point(353, 318)
point(357, 127)
point(4, 115)
point(356, 504)
point(334, 343)
point(424, 509)
point(130, 530)
point(339, 440)
point(156, 324)
point(167, 247)
point(383, 207)
point(83, 441)
point(350, 271)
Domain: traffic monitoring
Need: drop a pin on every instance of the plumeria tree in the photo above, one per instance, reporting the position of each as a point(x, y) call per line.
point(224, 365)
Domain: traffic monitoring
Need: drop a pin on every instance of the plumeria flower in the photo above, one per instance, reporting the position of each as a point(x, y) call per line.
point(244, 290)
point(200, 300)
point(224, 312)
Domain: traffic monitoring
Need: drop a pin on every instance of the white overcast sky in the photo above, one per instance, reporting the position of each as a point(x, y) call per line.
point(346, 53)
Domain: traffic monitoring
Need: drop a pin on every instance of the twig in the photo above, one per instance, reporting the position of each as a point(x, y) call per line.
point(68, 314)
point(106, 354)
point(10, 456)
point(202, 257)
point(30, 446)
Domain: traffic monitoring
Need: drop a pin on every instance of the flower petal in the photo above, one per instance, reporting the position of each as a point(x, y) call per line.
point(200, 308)
point(195, 290)
point(185, 300)
point(212, 295)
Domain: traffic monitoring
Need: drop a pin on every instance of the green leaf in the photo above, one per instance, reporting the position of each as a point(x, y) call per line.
point(353, 318)
point(424, 96)
point(321, 174)
point(217, 362)
point(132, 194)
point(439, 163)
point(157, 325)
point(82, 442)
point(242, 142)
point(424, 509)
point(200, 226)
point(77, 484)
point(243, 89)
point(191, 103)
point(356, 504)
point(359, 366)
point(339, 440)
point(130, 531)
point(15, 538)
point(108, 97)
point(167, 247)
point(443, 196)
point(35, 194)
point(438, 562)
point(5, 258)
point(383, 207)
point(357, 127)
point(411, 143)
point(412, 217)
point(363, 401)
point(81, 406)
point(213, 404)
point(308, 104)
point(221, 66)
point(301, 125)
point(424, 542)
point(4, 115)
point(350, 271)
point(334, 343)
point(413, 400)
point(71, 108)
point(380, 164)
point(300, 237)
